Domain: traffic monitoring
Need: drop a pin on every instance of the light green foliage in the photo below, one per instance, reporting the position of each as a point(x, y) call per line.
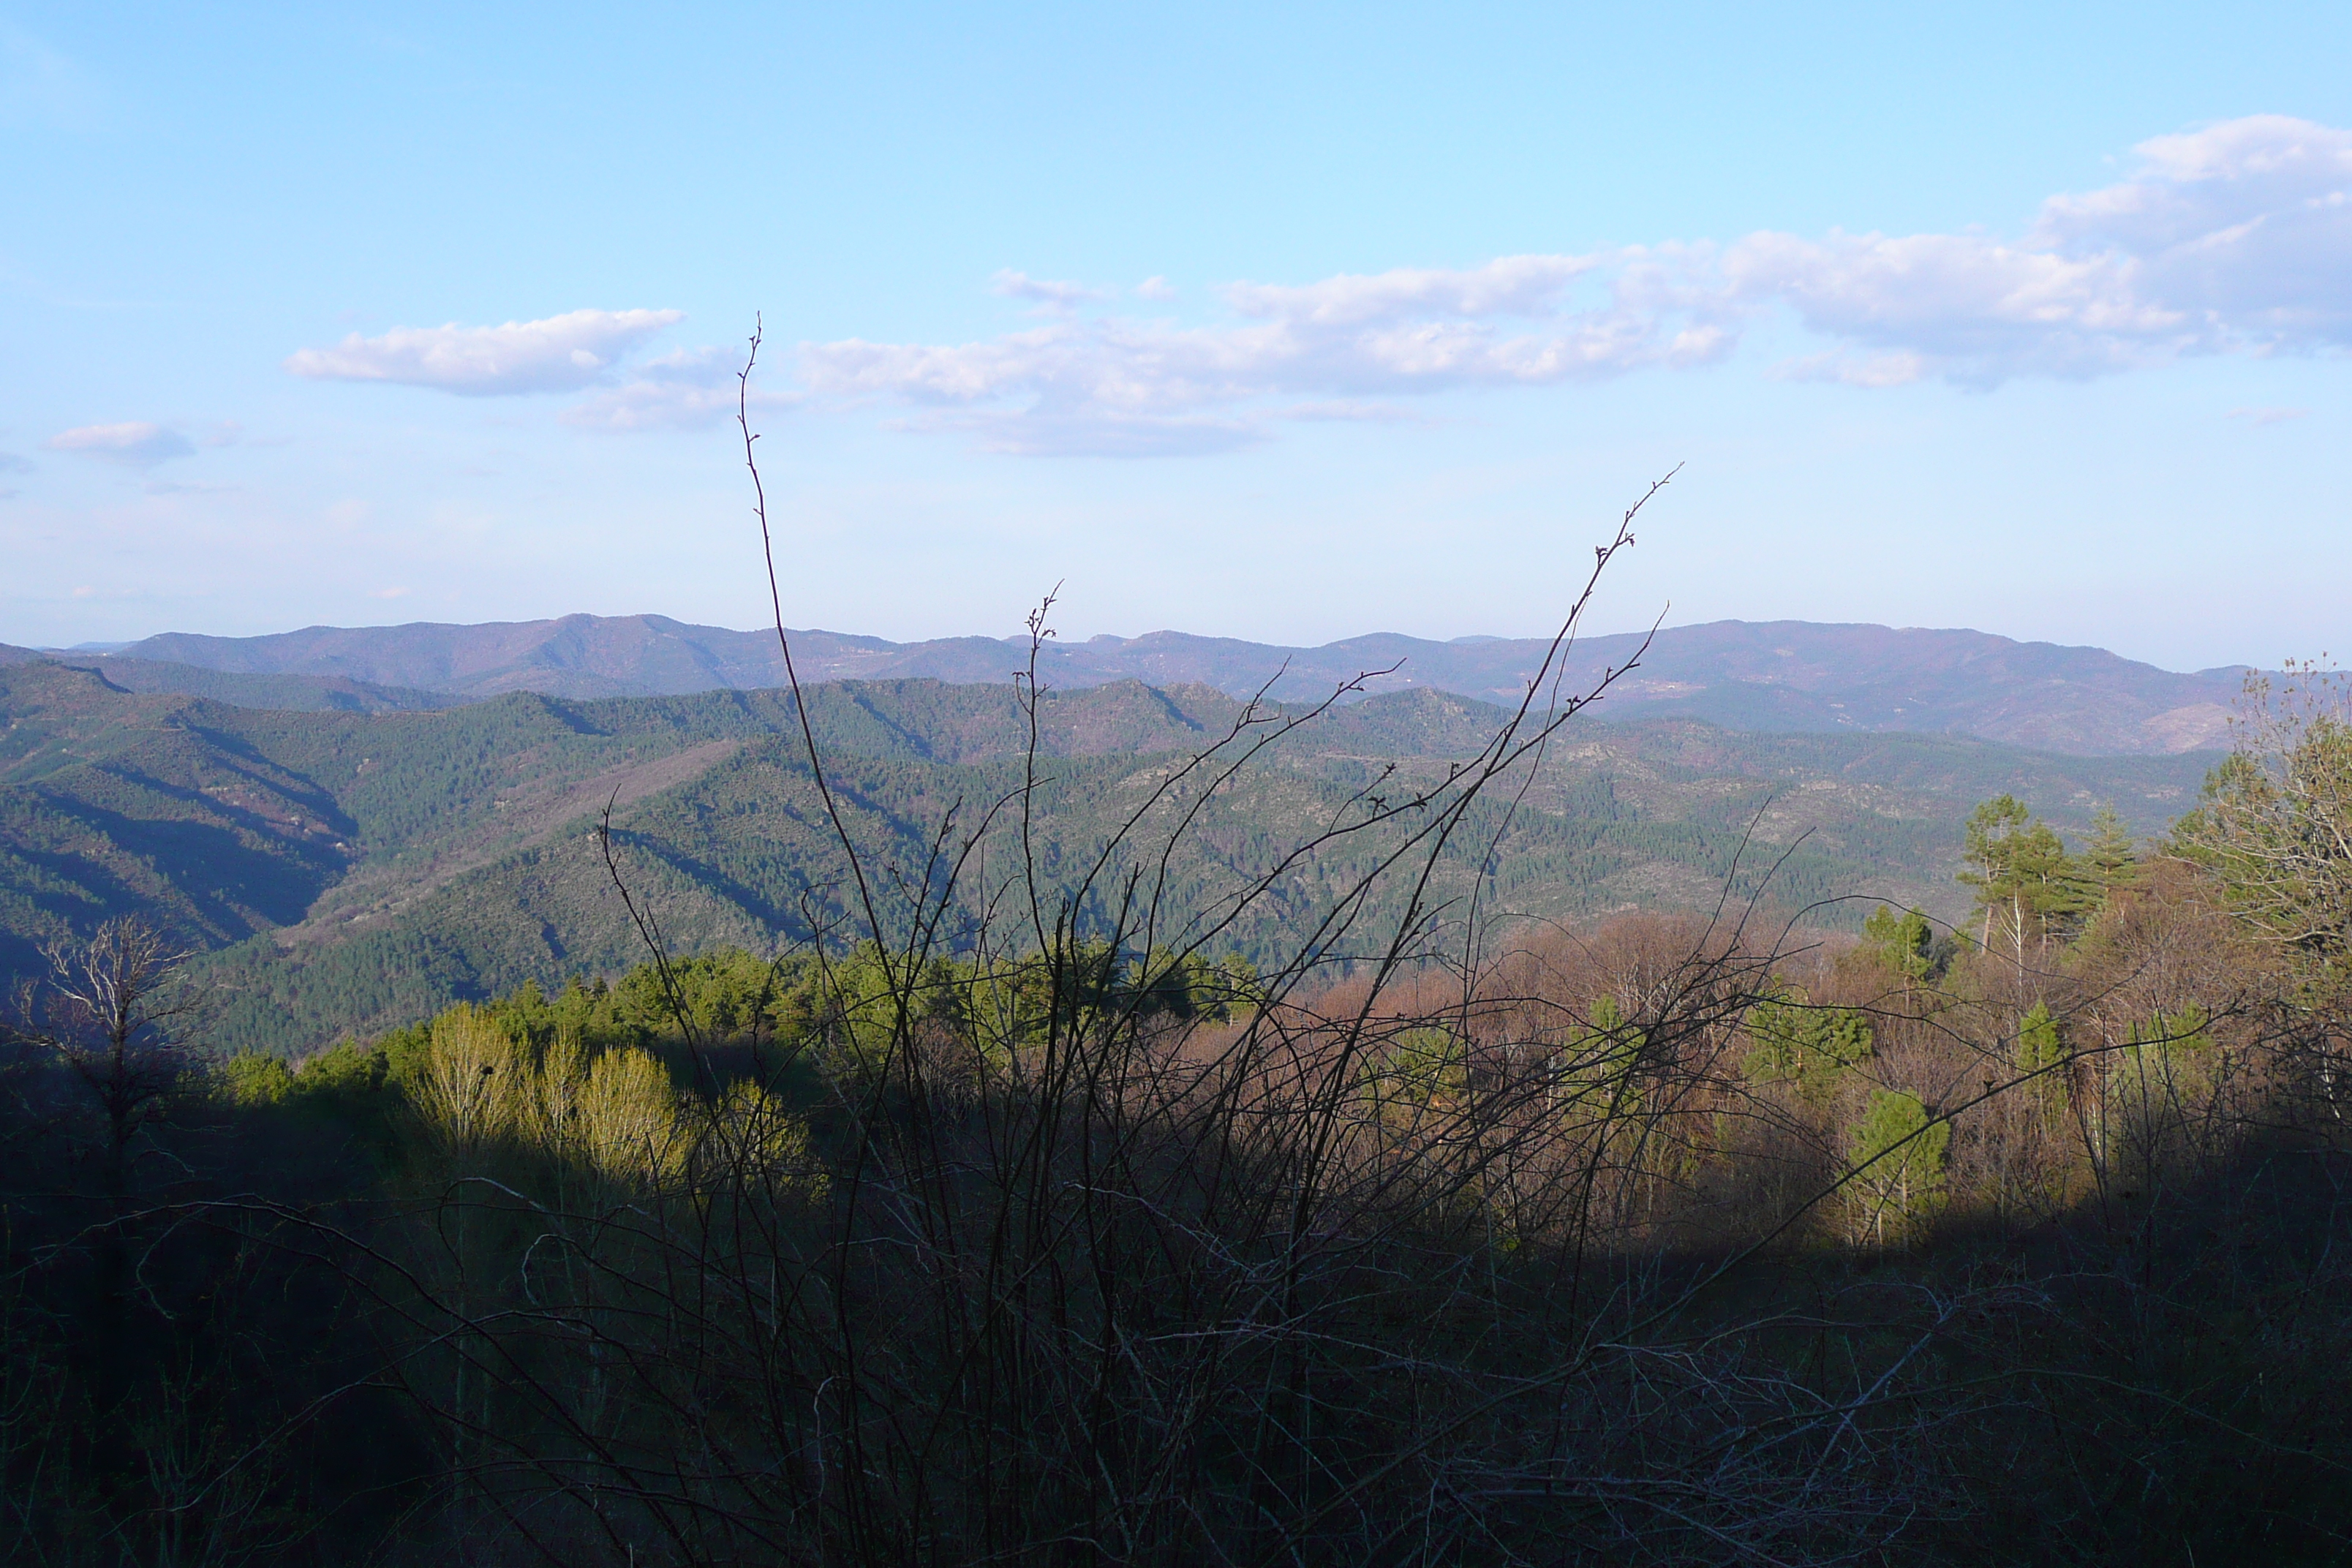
point(403, 1052)
point(470, 1085)
point(1810, 1046)
point(1602, 1061)
point(348, 1072)
point(481, 1087)
point(2109, 860)
point(250, 1078)
point(2039, 1045)
point(1904, 942)
point(2160, 1092)
point(2029, 889)
point(2167, 1056)
point(754, 1131)
point(2185, 1035)
point(2042, 1048)
point(863, 1007)
point(1419, 1076)
point(620, 1110)
point(1897, 1155)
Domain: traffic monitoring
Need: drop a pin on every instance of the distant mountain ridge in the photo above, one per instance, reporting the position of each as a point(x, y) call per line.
point(1769, 677)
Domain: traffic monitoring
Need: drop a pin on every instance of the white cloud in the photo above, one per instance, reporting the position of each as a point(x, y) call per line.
point(1877, 370)
point(1046, 291)
point(1098, 384)
point(1511, 286)
point(687, 390)
point(137, 443)
point(1045, 433)
point(2266, 415)
point(2233, 238)
point(1155, 288)
point(559, 354)
point(1352, 411)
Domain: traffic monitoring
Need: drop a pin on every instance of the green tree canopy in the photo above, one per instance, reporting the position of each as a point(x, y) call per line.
point(2027, 885)
point(1903, 942)
point(1898, 1156)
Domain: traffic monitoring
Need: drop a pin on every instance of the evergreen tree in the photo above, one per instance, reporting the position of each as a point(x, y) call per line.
point(2110, 861)
point(2042, 1048)
point(1897, 1155)
point(1806, 1045)
point(1904, 943)
point(2024, 879)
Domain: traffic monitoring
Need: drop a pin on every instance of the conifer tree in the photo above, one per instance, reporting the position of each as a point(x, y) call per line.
point(2109, 860)
point(2040, 1048)
point(2023, 877)
point(1897, 1155)
point(1905, 943)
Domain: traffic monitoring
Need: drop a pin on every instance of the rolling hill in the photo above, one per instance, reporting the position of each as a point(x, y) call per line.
point(1781, 676)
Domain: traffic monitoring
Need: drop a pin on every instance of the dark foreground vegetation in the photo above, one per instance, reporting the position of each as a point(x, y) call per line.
point(1012, 1217)
point(1647, 1245)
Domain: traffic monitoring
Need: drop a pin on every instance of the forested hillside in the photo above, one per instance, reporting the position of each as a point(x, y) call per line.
point(349, 871)
point(1791, 676)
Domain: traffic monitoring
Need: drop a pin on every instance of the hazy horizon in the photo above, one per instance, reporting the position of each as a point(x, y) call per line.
point(114, 644)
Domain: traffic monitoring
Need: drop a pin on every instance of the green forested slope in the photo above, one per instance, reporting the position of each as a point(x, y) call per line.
point(349, 871)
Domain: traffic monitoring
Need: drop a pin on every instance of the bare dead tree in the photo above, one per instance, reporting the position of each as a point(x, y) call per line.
point(113, 1011)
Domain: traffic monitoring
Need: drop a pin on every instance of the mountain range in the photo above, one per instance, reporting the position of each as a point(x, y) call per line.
point(1774, 676)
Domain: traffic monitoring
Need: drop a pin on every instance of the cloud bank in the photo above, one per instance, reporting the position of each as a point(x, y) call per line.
point(559, 354)
point(137, 443)
point(1111, 384)
point(687, 390)
point(2233, 238)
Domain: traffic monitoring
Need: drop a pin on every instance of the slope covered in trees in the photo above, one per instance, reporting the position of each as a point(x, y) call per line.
point(1770, 675)
point(352, 869)
point(1645, 1239)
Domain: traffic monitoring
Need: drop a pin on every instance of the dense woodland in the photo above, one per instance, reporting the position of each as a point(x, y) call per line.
point(1022, 1215)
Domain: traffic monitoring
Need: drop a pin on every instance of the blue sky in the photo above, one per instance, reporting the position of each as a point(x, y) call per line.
point(1287, 324)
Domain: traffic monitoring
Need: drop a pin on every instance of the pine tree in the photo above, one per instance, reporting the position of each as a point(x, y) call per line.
point(1898, 1156)
point(2110, 861)
point(2023, 875)
point(1905, 943)
point(2042, 1048)
point(1808, 1046)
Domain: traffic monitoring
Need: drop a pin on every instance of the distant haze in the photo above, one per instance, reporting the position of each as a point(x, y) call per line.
point(1777, 676)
